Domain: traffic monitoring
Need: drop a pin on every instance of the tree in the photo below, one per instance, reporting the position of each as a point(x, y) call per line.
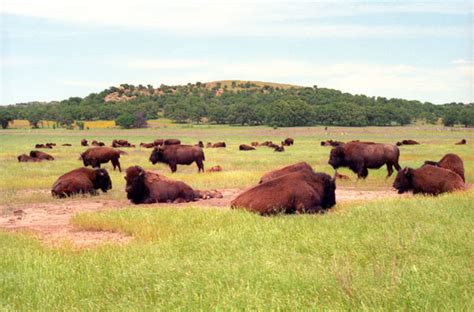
point(125, 120)
point(5, 118)
point(34, 117)
point(450, 117)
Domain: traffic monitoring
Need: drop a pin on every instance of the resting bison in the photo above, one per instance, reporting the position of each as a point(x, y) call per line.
point(218, 144)
point(279, 149)
point(147, 145)
point(122, 143)
point(266, 143)
point(451, 162)
point(27, 158)
point(208, 145)
point(407, 142)
point(427, 180)
point(254, 144)
point(272, 145)
point(303, 191)
point(84, 142)
point(43, 146)
point(245, 147)
point(96, 143)
point(41, 155)
point(178, 155)
point(67, 144)
point(100, 155)
point(288, 142)
point(462, 142)
point(82, 180)
point(167, 142)
point(285, 170)
point(360, 156)
point(214, 169)
point(144, 187)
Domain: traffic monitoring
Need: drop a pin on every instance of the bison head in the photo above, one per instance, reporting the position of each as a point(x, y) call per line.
point(403, 182)
point(136, 188)
point(102, 180)
point(156, 155)
point(84, 159)
point(337, 157)
point(329, 198)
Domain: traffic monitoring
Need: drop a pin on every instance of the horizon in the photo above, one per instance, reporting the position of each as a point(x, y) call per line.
point(422, 51)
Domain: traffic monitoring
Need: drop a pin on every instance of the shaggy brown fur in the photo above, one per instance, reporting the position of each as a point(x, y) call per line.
point(218, 144)
point(407, 142)
point(84, 142)
point(82, 180)
point(285, 170)
point(462, 142)
point(245, 147)
point(288, 142)
point(147, 145)
point(96, 143)
point(451, 162)
point(100, 155)
point(41, 155)
point(174, 155)
point(27, 158)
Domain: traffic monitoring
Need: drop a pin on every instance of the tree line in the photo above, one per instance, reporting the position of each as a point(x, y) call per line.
point(239, 104)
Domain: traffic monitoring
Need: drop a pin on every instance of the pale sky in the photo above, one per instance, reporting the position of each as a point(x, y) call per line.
point(51, 49)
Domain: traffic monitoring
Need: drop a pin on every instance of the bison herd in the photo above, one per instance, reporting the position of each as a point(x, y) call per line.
point(293, 189)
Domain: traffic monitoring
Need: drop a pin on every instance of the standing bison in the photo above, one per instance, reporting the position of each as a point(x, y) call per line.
point(428, 179)
point(82, 180)
point(174, 155)
point(303, 191)
point(360, 156)
point(451, 162)
point(100, 155)
point(144, 187)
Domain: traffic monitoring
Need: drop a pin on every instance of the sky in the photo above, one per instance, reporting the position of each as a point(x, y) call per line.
point(55, 49)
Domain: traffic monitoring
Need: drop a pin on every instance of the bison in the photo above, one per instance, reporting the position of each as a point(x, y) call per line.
point(462, 142)
point(214, 169)
point(121, 143)
point(245, 147)
point(160, 142)
point(254, 144)
point(66, 144)
point(218, 144)
point(279, 149)
point(178, 155)
point(43, 146)
point(360, 156)
point(200, 144)
point(27, 158)
point(288, 142)
point(407, 142)
point(301, 166)
point(147, 145)
point(266, 143)
point(41, 155)
point(332, 143)
point(81, 181)
point(145, 187)
point(427, 180)
point(208, 145)
point(96, 143)
point(451, 162)
point(303, 191)
point(84, 142)
point(100, 155)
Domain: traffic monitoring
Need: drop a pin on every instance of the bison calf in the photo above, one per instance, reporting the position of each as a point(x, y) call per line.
point(100, 155)
point(451, 162)
point(82, 180)
point(427, 180)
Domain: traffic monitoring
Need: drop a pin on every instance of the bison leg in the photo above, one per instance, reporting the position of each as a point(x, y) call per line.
point(200, 165)
point(116, 163)
point(173, 167)
point(362, 173)
point(95, 164)
point(389, 170)
point(397, 166)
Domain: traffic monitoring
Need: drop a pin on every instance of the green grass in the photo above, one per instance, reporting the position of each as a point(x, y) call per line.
point(410, 253)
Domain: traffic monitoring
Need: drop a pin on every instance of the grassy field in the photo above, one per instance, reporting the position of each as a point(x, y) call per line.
point(407, 253)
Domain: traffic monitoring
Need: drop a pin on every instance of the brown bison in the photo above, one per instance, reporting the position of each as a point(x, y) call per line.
point(245, 147)
point(285, 170)
point(43, 146)
point(266, 143)
point(462, 142)
point(41, 155)
point(272, 145)
point(208, 145)
point(360, 156)
point(145, 187)
point(81, 181)
point(160, 142)
point(27, 158)
point(84, 142)
point(303, 191)
point(121, 143)
point(67, 144)
point(96, 143)
point(332, 143)
point(95, 156)
point(218, 144)
point(427, 180)
point(200, 144)
point(254, 144)
point(279, 149)
point(178, 155)
point(451, 162)
point(147, 145)
point(288, 142)
point(214, 169)
point(407, 142)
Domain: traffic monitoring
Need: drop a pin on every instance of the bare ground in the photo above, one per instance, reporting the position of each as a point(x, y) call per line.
point(50, 222)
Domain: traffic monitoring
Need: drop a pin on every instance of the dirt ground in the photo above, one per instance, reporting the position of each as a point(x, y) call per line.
point(50, 222)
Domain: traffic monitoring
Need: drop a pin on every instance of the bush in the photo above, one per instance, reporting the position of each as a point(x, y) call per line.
point(125, 120)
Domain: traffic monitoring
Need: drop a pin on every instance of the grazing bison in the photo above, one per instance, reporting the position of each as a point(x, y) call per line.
point(147, 145)
point(254, 144)
point(67, 144)
point(303, 191)
point(214, 169)
point(360, 156)
point(82, 180)
point(451, 162)
point(245, 147)
point(41, 155)
point(427, 180)
point(43, 146)
point(218, 144)
point(407, 142)
point(145, 187)
point(301, 166)
point(100, 155)
point(279, 149)
point(84, 142)
point(462, 142)
point(27, 158)
point(288, 142)
point(178, 155)
point(96, 143)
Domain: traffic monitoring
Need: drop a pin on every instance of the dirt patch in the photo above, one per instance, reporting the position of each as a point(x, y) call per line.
point(51, 221)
